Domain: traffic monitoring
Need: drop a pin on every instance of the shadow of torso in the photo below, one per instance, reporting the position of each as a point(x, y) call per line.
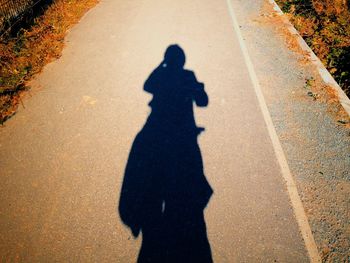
point(164, 190)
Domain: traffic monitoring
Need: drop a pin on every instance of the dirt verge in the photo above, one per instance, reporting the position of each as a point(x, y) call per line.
point(23, 56)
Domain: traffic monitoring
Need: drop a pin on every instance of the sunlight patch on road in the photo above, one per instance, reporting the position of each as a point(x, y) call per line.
point(87, 101)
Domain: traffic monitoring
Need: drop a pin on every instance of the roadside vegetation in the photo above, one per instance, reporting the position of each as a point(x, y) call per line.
point(325, 26)
point(26, 52)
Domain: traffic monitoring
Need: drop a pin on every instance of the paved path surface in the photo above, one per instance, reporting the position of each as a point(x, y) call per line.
point(62, 159)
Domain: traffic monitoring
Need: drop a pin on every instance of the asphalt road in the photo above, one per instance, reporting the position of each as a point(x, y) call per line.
point(62, 158)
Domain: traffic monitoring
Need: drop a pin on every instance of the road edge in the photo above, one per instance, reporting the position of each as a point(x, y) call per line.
point(297, 205)
point(323, 72)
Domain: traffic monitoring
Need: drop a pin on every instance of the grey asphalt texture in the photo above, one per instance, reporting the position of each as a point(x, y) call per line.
point(62, 158)
point(316, 145)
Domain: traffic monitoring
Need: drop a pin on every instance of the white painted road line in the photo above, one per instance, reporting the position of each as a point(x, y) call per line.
point(291, 186)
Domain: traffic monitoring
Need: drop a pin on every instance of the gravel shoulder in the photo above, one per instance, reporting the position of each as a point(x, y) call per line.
point(311, 125)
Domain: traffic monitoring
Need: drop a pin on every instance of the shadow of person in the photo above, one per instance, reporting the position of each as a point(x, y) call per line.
point(164, 190)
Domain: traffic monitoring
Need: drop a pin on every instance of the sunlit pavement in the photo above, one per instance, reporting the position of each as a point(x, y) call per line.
point(61, 180)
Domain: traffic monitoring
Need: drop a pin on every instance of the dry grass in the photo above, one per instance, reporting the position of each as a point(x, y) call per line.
point(325, 26)
point(316, 86)
point(23, 56)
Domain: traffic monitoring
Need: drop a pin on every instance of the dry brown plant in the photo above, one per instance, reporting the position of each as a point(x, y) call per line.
point(25, 55)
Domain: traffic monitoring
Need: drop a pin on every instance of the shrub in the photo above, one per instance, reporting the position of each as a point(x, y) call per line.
point(325, 26)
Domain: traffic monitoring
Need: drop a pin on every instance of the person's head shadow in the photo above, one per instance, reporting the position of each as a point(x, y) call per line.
point(164, 191)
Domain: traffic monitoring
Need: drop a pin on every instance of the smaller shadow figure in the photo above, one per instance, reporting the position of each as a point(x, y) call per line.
point(164, 191)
